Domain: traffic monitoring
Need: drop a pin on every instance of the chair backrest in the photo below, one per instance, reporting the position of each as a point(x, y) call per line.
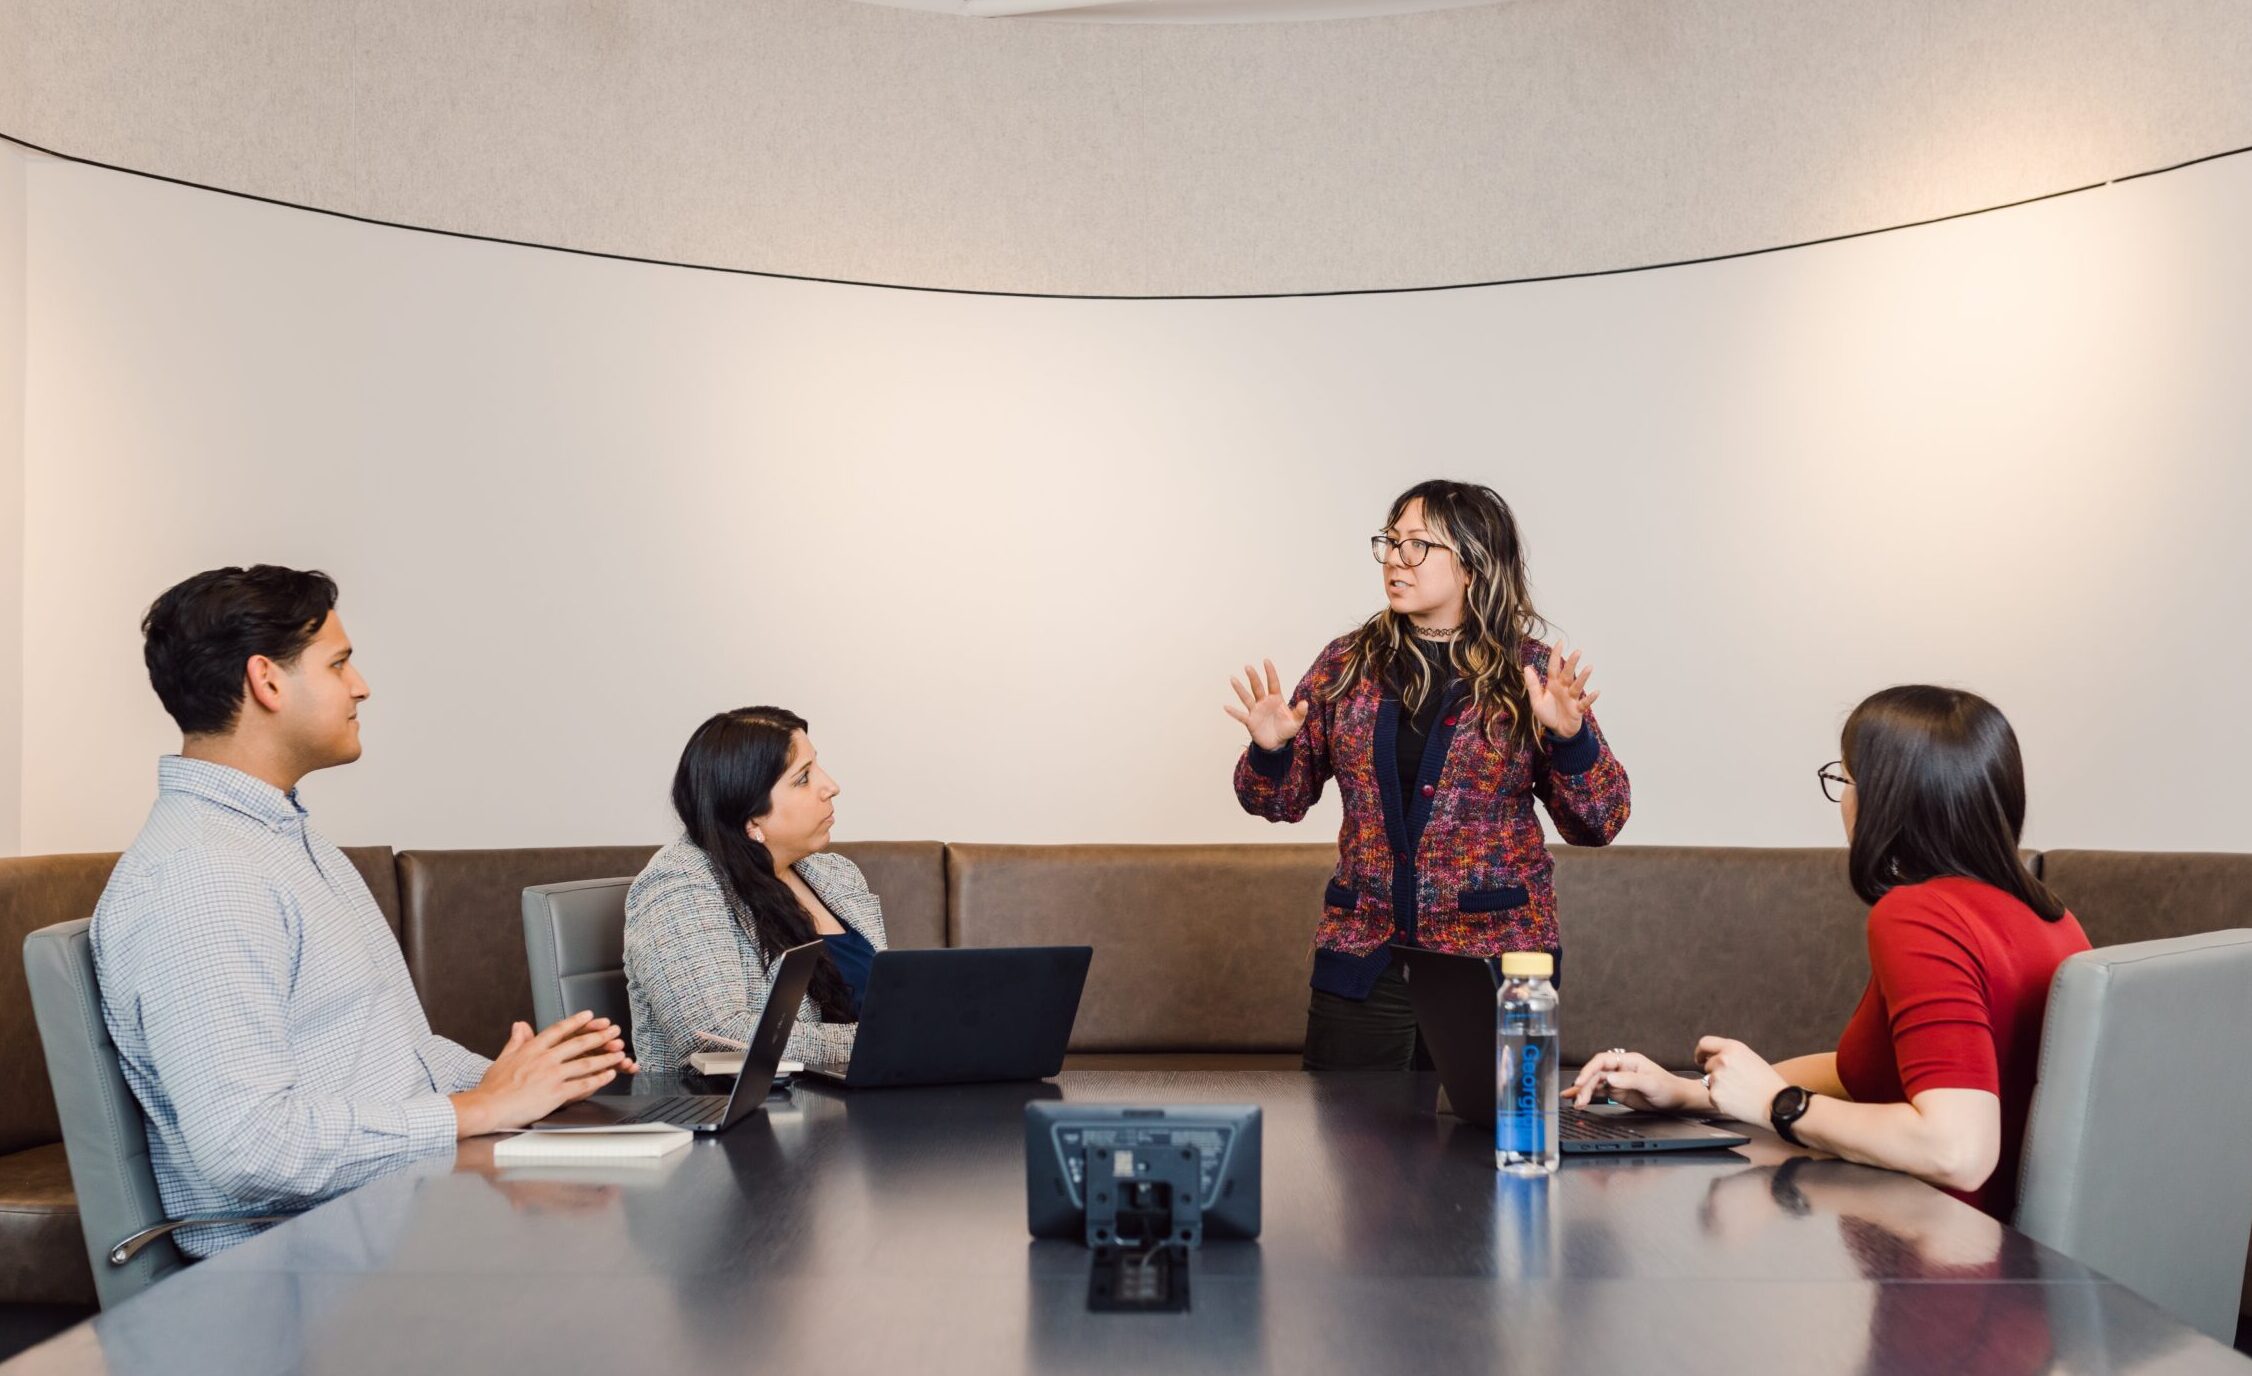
point(2136, 1151)
point(104, 1135)
point(575, 941)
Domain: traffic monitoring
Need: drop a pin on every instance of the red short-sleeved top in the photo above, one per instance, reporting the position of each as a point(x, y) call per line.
point(1959, 977)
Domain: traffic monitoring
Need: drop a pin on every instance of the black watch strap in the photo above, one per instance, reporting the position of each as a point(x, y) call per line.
point(1788, 1106)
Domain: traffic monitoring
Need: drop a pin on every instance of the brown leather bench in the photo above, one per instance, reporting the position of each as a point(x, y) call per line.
point(1664, 944)
point(1204, 951)
point(1199, 950)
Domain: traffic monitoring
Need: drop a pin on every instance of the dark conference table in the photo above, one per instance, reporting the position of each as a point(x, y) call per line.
point(884, 1231)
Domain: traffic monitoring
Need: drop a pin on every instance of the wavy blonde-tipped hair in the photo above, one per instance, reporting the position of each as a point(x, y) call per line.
point(1473, 521)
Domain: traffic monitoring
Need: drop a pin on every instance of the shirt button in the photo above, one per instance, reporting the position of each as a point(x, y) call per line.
point(1428, 790)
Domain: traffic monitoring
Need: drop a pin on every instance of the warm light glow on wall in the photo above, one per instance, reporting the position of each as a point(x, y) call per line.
point(1004, 553)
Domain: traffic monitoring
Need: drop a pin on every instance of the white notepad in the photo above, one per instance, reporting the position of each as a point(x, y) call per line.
point(731, 1063)
point(640, 1141)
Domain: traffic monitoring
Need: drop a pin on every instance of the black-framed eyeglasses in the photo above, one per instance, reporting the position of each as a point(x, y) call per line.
point(1835, 780)
point(1412, 552)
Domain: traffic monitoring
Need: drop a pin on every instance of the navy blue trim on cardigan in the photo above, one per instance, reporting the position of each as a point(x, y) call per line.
point(1434, 764)
point(1575, 755)
point(1272, 764)
point(1351, 976)
point(1386, 748)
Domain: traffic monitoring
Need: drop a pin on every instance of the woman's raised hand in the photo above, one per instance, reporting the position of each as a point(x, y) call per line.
point(1271, 718)
point(1561, 703)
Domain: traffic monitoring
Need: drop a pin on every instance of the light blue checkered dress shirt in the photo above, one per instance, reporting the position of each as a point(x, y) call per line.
point(261, 1008)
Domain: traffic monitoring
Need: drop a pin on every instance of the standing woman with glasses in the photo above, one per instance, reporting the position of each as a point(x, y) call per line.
point(1443, 718)
point(1934, 1073)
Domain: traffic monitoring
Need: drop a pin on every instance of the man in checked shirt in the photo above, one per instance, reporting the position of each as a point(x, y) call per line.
point(259, 1002)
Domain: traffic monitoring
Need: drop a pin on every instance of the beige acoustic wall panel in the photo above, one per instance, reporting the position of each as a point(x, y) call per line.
point(833, 139)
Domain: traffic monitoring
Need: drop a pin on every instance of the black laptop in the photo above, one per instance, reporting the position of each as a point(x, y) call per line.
point(710, 1112)
point(1454, 1010)
point(962, 1015)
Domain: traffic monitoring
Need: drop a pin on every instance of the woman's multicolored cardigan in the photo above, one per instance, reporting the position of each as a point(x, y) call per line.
point(1459, 864)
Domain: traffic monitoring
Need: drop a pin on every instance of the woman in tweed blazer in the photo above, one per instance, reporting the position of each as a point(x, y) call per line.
point(1444, 721)
point(711, 914)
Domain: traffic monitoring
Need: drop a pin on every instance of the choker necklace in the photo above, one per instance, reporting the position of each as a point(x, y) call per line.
point(1426, 633)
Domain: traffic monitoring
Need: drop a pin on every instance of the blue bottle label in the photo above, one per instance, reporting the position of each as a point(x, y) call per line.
point(1522, 1126)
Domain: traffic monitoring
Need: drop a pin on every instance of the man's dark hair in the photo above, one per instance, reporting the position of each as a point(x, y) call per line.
point(197, 637)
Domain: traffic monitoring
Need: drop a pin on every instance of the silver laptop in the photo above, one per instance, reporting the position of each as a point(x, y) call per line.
point(711, 1112)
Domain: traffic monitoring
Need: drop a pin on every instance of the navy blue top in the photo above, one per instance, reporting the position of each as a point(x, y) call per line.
point(852, 954)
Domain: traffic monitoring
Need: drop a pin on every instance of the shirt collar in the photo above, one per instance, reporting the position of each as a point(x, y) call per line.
point(229, 788)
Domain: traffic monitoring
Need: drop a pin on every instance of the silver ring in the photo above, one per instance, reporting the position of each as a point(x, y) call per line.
point(1708, 1082)
point(1616, 1051)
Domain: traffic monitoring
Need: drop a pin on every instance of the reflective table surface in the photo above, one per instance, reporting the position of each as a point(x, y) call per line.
point(885, 1231)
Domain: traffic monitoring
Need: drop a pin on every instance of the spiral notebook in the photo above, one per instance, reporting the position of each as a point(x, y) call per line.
point(639, 1143)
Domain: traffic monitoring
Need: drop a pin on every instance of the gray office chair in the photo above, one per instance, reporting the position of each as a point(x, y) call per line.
point(2138, 1151)
point(575, 938)
point(105, 1138)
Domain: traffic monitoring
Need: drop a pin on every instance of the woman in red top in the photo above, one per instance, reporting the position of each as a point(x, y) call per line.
point(1935, 1070)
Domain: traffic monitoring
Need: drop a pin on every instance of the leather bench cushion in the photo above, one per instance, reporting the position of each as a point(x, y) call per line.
point(42, 1252)
point(1197, 948)
point(464, 929)
point(909, 878)
point(36, 891)
point(2123, 896)
point(1665, 944)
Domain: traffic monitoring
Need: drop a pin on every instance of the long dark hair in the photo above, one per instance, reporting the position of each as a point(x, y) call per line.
point(726, 777)
point(1473, 521)
point(1939, 790)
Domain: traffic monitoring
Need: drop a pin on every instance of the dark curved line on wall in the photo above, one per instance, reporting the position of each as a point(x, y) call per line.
point(1127, 296)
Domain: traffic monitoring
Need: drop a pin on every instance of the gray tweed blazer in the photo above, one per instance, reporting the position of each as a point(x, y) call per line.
point(693, 966)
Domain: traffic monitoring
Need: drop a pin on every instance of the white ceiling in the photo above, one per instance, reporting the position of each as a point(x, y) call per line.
point(1180, 11)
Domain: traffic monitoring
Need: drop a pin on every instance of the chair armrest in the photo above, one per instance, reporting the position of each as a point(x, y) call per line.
point(131, 1247)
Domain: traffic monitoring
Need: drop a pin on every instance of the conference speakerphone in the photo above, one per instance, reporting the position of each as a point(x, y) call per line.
point(1141, 1186)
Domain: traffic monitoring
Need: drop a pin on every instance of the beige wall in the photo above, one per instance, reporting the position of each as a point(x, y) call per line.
point(12, 361)
point(1005, 552)
point(857, 141)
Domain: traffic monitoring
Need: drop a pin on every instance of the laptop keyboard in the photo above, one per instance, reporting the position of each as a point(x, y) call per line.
point(686, 1110)
point(1575, 1126)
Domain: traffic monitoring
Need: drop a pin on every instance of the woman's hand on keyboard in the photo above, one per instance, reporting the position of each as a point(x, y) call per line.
point(1638, 1082)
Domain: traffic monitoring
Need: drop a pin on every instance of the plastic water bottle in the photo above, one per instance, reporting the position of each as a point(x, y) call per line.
point(1525, 1080)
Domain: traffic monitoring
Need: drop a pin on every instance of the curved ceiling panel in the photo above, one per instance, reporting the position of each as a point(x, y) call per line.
point(829, 139)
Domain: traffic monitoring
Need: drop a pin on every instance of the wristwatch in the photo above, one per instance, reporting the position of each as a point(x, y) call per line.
point(1787, 1107)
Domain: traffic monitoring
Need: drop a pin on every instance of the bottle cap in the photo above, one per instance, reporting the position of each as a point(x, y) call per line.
point(1529, 964)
